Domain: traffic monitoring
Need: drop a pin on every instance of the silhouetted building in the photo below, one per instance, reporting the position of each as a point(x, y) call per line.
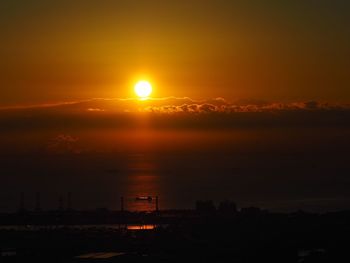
point(206, 206)
point(251, 211)
point(227, 208)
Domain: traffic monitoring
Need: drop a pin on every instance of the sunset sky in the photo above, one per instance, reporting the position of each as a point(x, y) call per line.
point(250, 102)
point(280, 51)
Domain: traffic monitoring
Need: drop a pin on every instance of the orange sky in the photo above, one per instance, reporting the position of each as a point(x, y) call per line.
point(201, 49)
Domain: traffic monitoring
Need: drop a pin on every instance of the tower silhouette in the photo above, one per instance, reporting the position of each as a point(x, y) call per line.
point(69, 201)
point(122, 203)
point(21, 202)
point(157, 205)
point(60, 203)
point(37, 202)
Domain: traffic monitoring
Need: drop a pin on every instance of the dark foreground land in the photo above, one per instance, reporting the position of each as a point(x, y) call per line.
point(250, 235)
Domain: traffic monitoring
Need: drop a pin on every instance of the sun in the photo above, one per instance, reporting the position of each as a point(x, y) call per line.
point(143, 89)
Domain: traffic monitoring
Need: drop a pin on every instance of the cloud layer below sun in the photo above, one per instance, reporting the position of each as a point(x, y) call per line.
point(172, 112)
point(178, 105)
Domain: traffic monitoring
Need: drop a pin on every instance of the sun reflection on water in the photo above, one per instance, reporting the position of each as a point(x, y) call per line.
point(142, 181)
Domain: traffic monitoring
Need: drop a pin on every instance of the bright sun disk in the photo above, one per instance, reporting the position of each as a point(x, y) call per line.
point(143, 89)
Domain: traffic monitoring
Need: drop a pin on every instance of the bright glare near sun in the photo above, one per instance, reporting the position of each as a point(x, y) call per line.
point(143, 89)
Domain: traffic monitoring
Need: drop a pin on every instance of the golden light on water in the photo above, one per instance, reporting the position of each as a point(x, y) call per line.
point(143, 89)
